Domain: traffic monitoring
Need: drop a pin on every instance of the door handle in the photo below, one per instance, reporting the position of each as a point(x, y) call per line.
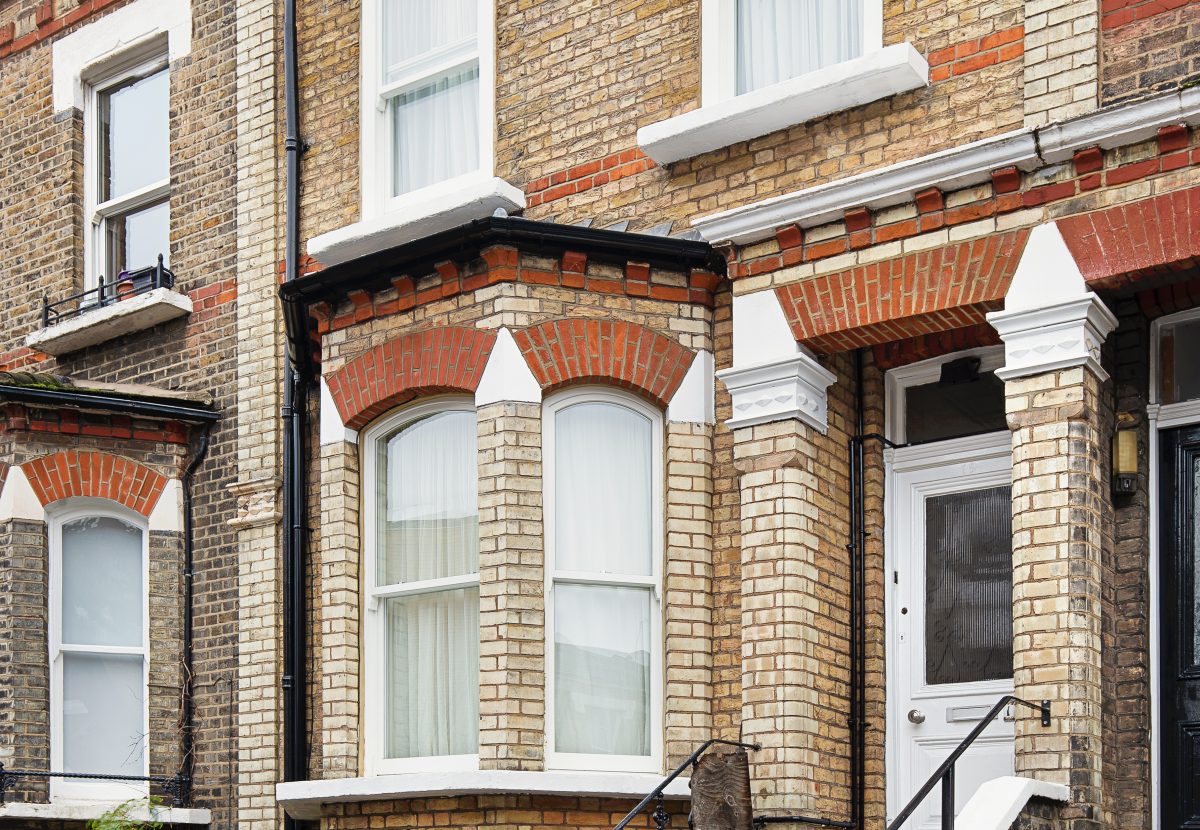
point(916, 716)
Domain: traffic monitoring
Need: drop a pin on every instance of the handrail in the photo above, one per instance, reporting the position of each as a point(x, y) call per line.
point(177, 786)
point(660, 814)
point(945, 773)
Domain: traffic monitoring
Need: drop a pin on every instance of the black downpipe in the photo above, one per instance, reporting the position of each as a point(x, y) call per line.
point(189, 579)
point(294, 685)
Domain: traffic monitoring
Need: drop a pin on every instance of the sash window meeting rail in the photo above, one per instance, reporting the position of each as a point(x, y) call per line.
point(177, 787)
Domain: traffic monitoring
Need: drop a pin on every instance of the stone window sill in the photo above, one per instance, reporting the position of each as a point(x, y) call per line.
point(107, 322)
point(434, 209)
point(889, 71)
point(86, 811)
point(304, 799)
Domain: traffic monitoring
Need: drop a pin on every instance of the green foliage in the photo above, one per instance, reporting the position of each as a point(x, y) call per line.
point(121, 817)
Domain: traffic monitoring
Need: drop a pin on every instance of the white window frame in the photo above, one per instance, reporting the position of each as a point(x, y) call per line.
point(375, 168)
point(143, 61)
point(718, 43)
point(374, 649)
point(897, 381)
point(73, 789)
point(590, 761)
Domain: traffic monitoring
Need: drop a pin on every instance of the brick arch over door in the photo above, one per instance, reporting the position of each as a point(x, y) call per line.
point(624, 354)
point(446, 359)
point(95, 474)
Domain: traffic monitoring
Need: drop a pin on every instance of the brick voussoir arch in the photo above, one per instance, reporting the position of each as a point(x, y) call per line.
point(616, 352)
point(95, 474)
point(446, 359)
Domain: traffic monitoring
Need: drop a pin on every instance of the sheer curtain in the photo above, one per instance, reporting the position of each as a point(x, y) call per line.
point(435, 119)
point(427, 529)
point(603, 502)
point(780, 39)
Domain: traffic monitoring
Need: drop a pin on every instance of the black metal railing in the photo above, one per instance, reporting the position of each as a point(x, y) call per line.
point(177, 787)
point(127, 284)
point(945, 773)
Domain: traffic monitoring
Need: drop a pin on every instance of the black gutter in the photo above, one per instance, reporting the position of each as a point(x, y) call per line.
point(189, 578)
point(466, 241)
point(187, 413)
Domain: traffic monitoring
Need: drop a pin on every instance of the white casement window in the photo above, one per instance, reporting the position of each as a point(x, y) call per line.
point(604, 548)
point(127, 175)
point(99, 643)
point(751, 44)
point(421, 537)
point(427, 98)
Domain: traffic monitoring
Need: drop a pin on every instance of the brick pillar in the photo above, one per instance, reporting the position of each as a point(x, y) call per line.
point(1062, 59)
point(512, 658)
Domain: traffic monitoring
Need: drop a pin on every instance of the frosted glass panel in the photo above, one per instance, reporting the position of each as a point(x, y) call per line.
point(435, 131)
point(602, 489)
point(968, 586)
point(134, 136)
point(602, 670)
point(433, 674)
point(102, 583)
point(781, 39)
point(427, 511)
point(103, 714)
point(414, 27)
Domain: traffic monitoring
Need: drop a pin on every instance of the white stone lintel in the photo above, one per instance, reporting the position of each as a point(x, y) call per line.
point(1057, 336)
point(796, 386)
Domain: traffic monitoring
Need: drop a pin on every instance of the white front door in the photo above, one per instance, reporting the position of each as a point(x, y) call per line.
point(949, 615)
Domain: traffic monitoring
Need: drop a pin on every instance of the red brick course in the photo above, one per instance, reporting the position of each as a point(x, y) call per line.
point(448, 359)
point(606, 351)
point(1114, 13)
point(97, 475)
point(587, 175)
point(976, 53)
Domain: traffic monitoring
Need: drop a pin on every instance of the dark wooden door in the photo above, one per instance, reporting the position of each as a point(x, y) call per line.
point(1179, 678)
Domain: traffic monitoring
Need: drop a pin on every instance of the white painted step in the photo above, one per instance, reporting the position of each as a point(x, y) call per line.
point(997, 803)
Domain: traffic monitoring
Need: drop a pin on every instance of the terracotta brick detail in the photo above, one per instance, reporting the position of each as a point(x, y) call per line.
point(96, 474)
point(1168, 299)
point(1088, 160)
point(1122, 243)
point(1006, 180)
point(1173, 138)
point(902, 352)
point(976, 53)
point(919, 293)
point(929, 200)
point(449, 359)
point(608, 351)
point(1119, 12)
point(587, 175)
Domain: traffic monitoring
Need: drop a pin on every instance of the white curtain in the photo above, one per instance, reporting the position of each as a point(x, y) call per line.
point(435, 122)
point(781, 39)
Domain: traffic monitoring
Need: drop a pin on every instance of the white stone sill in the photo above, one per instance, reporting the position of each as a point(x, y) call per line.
point(107, 322)
point(889, 71)
point(304, 799)
point(425, 212)
point(86, 811)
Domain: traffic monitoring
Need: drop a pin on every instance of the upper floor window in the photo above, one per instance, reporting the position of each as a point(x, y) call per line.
point(604, 504)
point(427, 96)
point(751, 44)
point(98, 650)
point(422, 538)
point(127, 170)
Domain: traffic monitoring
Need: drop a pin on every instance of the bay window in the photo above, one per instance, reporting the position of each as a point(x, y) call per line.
point(603, 479)
point(422, 577)
point(98, 651)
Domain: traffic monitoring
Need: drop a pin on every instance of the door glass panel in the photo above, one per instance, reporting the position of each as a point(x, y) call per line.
point(1195, 586)
point(968, 586)
point(1179, 349)
point(936, 411)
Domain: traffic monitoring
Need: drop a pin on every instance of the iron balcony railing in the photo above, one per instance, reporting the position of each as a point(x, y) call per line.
point(127, 284)
point(177, 787)
point(945, 773)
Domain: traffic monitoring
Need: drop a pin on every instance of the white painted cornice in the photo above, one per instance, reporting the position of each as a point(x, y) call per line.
point(1058, 336)
point(958, 167)
point(795, 386)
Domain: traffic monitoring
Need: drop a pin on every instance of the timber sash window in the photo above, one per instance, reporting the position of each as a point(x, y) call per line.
point(603, 535)
point(423, 569)
point(98, 650)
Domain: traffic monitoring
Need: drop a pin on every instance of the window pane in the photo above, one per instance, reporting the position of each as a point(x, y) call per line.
point(135, 239)
point(427, 510)
point(435, 131)
point(968, 586)
point(781, 39)
point(1180, 352)
point(602, 669)
point(602, 492)
point(134, 136)
point(935, 411)
point(432, 674)
point(414, 27)
point(103, 714)
point(102, 583)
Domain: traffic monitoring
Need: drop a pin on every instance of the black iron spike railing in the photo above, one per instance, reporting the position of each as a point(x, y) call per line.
point(178, 787)
point(129, 284)
point(944, 774)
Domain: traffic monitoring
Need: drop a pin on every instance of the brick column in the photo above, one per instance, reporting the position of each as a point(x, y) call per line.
point(512, 647)
point(1062, 59)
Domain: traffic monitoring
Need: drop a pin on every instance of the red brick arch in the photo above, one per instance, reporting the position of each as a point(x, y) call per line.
point(96, 474)
point(447, 359)
point(607, 351)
